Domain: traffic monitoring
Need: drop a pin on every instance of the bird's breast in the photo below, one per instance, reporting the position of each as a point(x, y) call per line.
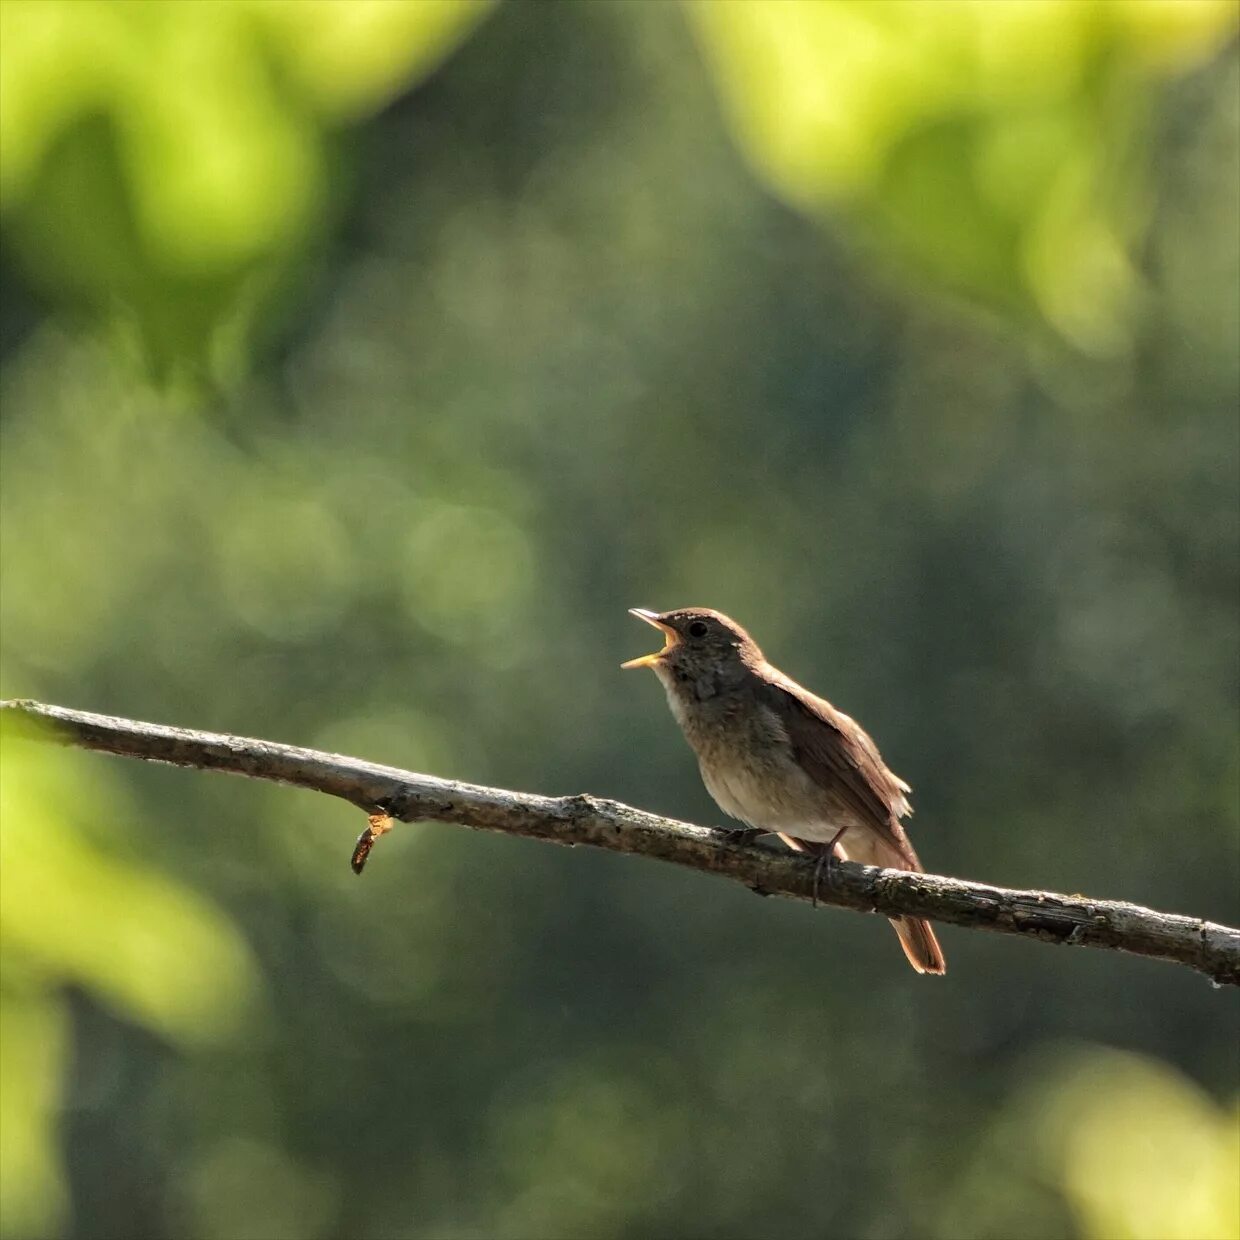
point(747, 762)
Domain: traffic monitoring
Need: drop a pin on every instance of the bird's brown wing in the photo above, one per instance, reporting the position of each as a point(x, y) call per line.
point(842, 759)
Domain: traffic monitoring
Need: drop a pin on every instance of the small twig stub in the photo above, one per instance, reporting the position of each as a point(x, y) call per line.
point(376, 825)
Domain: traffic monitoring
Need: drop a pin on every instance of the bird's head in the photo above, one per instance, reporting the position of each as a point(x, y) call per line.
point(703, 650)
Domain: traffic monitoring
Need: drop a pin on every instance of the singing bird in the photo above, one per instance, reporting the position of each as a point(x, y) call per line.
point(781, 759)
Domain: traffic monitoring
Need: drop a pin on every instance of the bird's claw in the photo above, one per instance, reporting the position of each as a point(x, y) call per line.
point(826, 859)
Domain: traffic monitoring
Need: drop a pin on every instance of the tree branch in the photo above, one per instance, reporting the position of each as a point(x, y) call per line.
point(386, 792)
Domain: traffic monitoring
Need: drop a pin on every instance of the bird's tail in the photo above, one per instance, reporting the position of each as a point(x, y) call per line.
point(920, 945)
point(916, 937)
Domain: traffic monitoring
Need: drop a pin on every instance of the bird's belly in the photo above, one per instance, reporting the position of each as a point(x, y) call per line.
point(774, 795)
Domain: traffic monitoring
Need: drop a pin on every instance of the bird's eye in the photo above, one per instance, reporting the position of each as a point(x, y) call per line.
point(697, 629)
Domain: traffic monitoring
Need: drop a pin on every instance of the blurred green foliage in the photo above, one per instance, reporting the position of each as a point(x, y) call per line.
point(1136, 1148)
point(74, 913)
point(553, 353)
point(995, 148)
point(202, 138)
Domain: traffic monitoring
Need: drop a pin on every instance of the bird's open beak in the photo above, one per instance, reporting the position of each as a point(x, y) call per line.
point(669, 638)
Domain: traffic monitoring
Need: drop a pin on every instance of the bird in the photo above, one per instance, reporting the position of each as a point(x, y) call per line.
point(781, 759)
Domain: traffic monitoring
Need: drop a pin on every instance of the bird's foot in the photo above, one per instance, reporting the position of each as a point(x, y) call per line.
point(741, 835)
point(826, 859)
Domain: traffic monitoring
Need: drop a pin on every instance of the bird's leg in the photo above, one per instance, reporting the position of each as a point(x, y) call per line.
point(819, 865)
point(823, 852)
point(826, 857)
point(802, 846)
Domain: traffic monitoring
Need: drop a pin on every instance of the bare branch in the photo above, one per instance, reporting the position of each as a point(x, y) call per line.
point(387, 792)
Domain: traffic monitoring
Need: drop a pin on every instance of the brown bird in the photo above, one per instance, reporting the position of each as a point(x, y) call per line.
point(782, 760)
